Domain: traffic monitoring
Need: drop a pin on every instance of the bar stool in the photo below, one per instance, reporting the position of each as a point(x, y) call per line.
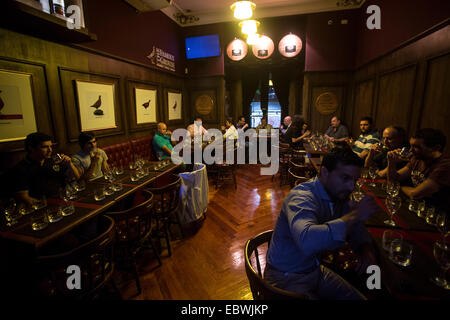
point(133, 232)
point(166, 202)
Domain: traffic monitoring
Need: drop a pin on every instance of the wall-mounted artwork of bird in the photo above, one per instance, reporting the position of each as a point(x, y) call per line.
point(96, 105)
point(2, 104)
point(174, 106)
point(146, 104)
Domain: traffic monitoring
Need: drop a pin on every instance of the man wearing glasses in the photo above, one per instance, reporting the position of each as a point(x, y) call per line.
point(90, 160)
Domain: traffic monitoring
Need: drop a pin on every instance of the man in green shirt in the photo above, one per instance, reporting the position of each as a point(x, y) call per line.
point(161, 142)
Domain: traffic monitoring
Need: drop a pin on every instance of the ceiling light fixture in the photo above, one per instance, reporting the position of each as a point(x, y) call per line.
point(253, 38)
point(243, 9)
point(249, 26)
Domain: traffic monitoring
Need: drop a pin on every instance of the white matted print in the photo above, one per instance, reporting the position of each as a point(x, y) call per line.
point(17, 117)
point(174, 101)
point(96, 105)
point(145, 105)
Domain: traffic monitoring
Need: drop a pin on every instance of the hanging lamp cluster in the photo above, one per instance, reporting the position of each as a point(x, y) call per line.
point(243, 10)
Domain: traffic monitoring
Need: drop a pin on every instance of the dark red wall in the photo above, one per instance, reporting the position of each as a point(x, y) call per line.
point(127, 34)
point(331, 47)
point(401, 20)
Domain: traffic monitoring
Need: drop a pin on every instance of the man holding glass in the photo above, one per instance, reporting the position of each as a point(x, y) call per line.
point(161, 142)
point(316, 216)
point(428, 160)
point(337, 132)
point(90, 160)
point(366, 139)
point(37, 175)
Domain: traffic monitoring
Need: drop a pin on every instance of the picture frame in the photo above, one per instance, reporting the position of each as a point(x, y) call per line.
point(174, 105)
point(139, 93)
point(17, 109)
point(73, 96)
point(96, 105)
point(204, 104)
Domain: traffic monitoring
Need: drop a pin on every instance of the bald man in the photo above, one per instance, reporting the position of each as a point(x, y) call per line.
point(289, 132)
point(337, 131)
point(161, 142)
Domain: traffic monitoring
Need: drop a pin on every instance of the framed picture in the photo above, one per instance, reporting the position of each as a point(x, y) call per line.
point(174, 105)
point(96, 105)
point(145, 105)
point(17, 115)
point(91, 103)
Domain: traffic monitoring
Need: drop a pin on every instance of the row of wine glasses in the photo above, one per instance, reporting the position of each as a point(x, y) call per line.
point(14, 210)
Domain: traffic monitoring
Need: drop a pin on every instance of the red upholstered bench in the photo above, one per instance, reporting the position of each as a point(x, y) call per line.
point(119, 154)
point(143, 147)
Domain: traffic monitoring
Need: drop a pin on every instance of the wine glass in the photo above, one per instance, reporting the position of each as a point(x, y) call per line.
point(392, 204)
point(57, 159)
point(442, 224)
point(364, 173)
point(392, 188)
point(441, 252)
point(12, 215)
point(417, 177)
point(373, 174)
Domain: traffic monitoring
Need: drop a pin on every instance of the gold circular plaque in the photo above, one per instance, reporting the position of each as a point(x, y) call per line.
point(326, 103)
point(204, 104)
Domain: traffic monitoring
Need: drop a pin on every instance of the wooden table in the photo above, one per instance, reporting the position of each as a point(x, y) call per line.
point(86, 208)
point(412, 282)
point(309, 149)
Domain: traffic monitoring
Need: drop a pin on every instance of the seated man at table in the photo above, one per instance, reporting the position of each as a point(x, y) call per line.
point(316, 216)
point(393, 138)
point(264, 125)
point(289, 132)
point(241, 124)
point(427, 146)
point(366, 139)
point(337, 132)
point(90, 160)
point(37, 175)
point(161, 142)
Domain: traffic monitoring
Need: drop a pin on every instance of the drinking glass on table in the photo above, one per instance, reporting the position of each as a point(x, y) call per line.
point(393, 188)
point(99, 194)
point(364, 173)
point(430, 216)
point(39, 220)
point(393, 204)
point(68, 208)
point(54, 214)
point(373, 174)
point(401, 252)
point(441, 252)
point(40, 203)
point(388, 237)
point(12, 215)
point(442, 222)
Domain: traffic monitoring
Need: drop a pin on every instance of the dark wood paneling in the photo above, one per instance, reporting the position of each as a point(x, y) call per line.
point(436, 105)
point(363, 103)
point(395, 97)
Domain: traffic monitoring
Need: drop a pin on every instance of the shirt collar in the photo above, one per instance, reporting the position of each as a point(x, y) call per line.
point(321, 192)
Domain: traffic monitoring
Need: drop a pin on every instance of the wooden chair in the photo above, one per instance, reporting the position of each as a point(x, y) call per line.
point(133, 233)
point(166, 202)
point(227, 170)
point(94, 258)
point(261, 289)
point(285, 156)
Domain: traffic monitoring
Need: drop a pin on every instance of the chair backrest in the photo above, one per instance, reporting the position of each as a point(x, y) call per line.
point(95, 259)
point(120, 154)
point(133, 225)
point(298, 175)
point(142, 147)
point(261, 289)
point(166, 197)
point(298, 156)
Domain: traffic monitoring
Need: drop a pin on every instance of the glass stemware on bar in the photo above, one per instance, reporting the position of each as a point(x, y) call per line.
point(441, 252)
point(442, 222)
point(12, 215)
point(373, 174)
point(393, 188)
point(393, 204)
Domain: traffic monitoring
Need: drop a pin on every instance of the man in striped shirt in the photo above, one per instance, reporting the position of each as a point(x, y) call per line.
point(366, 139)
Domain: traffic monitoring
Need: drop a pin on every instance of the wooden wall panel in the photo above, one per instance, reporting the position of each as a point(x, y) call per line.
point(395, 98)
point(320, 122)
point(436, 106)
point(363, 102)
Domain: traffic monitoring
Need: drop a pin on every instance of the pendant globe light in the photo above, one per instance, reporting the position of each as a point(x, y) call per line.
point(243, 9)
point(249, 26)
point(253, 38)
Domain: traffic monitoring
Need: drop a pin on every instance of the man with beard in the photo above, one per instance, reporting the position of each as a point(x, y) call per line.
point(427, 146)
point(366, 139)
point(316, 216)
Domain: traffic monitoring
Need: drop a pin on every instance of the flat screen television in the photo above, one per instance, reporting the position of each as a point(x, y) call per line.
point(202, 46)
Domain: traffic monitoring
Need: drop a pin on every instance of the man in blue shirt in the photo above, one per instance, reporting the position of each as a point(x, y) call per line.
point(316, 216)
point(366, 139)
point(161, 142)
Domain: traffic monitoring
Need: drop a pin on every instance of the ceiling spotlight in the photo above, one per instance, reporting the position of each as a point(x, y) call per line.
point(243, 9)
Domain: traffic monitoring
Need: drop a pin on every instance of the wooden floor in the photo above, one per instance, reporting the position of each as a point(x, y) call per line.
point(209, 265)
